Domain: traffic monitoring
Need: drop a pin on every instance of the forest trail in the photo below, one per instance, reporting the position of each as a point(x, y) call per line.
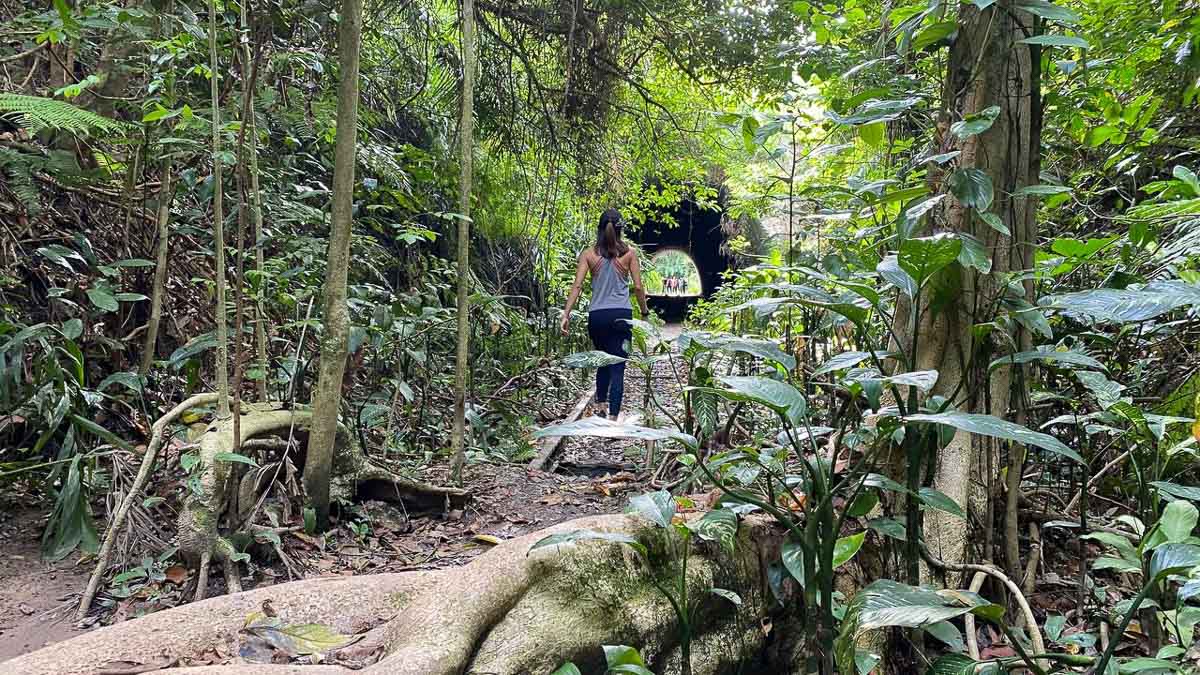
point(587, 476)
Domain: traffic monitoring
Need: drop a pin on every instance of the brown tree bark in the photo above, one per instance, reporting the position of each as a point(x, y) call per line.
point(327, 398)
point(466, 146)
point(987, 67)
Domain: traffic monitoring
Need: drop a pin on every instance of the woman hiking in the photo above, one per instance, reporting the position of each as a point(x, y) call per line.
point(612, 264)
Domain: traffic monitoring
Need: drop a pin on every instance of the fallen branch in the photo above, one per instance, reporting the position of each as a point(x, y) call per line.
point(549, 445)
point(1035, 634)
point(157, 433)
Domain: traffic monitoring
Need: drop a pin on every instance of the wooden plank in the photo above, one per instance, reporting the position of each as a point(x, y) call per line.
point(550, 444)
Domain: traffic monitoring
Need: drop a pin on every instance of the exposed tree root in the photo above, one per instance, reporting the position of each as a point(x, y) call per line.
point(507, 612)
point(199, 534)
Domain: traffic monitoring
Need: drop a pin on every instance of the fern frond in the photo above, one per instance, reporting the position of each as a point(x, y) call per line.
point(37, 113)
point(19, 168)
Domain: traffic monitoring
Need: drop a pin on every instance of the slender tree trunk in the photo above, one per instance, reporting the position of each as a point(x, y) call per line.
point(327, 398)
point(158, 292)
point(260, 330)
point(218, 220)
point(987, 67)
point(466, 146)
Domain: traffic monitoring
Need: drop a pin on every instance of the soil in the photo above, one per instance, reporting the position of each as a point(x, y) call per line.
point(36, 597)
point(589, 476)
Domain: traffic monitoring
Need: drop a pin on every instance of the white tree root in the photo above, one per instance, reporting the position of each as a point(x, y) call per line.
point(157, 434)
point(346, 604)
point(507, 612)
point(199, 537)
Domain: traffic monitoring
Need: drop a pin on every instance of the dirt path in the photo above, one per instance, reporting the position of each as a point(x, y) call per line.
point(589, 476)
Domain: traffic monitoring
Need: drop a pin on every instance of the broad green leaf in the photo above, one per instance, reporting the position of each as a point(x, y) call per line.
point(720, 526)
point(948, 633)
point(972, 187)
point(1042, 190)
point(591, 359)
point(128, 380)
point(1048, 354)
point(234, 457)
point(845, 548)
point(913, 214)
point(1054, 626)
point(873, 133)
point(976, 123)
point(974, 254)
point(588, 535)
point(940, 501)
point(889, 268)
point(1131, 304)
point(602, 428)
point(1188, 177)
point(779, 396)
point(1178, 520)
point(792, 555)
point(103, 300)
point(1187, 492)
point(621, 655)
point(841, 362)
point(72, 328)
point(922, 257)
point(1173, 558)
point(987, 425)
point(943, 30)
point(100, 432)
point(890, 603)
point(764, 349)
point(567, 669)
point(657, 507)
point(888, 527)
point(1048, 10)
point(874, 111)
point(1056, 41)
point(952, 664)
point(993, 221)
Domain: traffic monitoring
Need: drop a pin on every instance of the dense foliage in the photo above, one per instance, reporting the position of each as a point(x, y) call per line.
point(956, 348)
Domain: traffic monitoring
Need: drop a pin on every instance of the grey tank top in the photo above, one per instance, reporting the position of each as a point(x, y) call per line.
point(610, 288)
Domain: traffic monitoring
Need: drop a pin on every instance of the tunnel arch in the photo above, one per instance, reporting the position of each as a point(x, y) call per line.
point(695, 230)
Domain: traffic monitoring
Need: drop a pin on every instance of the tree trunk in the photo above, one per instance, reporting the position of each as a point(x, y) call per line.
point(260, 330)
point(466, 146)
point(327, 398)
point(218, 221)
point(987, 67)
point(158, 292)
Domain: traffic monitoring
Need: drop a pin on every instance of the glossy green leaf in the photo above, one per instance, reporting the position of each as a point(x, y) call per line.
point(603, 428)
point(720, 525)
point(1048, 10)
point(1056, 41)
point(567, 669)
point(922, 257)
point(591, 359)
point(976, 123)
point(948, 633)
point(988, 425)
point(974, 254)
point(1049, 355)
point(235, 458)
point(940, 501)
point(1178, 520)
point(1131, 304)
point(1042, 190)
point(779, 396)
point(792, 555)
point(727, 594)
point(845, 548)
point(1173, 558)
point(972, 187)
point(889, 268)
point(103, 300)
point(657, 507)
point(993, 221)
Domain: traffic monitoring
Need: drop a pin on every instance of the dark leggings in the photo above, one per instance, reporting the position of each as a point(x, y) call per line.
point(609, 331)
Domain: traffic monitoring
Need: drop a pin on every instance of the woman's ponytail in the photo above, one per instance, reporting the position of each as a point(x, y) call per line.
point(608, 236)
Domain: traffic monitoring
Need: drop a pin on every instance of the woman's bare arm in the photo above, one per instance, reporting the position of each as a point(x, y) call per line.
point(581, 270)
point(635, 273)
